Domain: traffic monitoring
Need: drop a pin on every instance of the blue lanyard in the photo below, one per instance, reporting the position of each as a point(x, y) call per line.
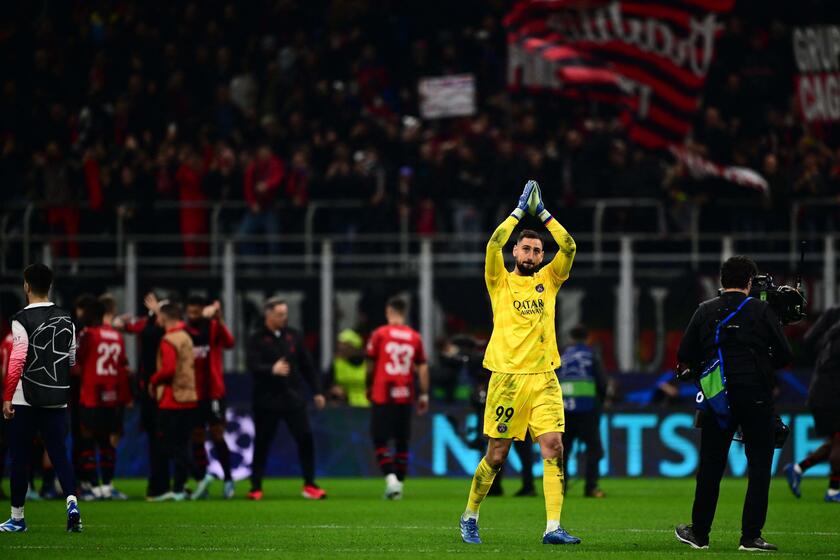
point(717, 337)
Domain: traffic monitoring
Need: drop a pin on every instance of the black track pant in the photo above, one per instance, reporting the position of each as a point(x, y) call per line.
point(752, 408)
point(265, 428)
point(586, 427)
point(52, 424)
point(158, 466)
point(174, 429)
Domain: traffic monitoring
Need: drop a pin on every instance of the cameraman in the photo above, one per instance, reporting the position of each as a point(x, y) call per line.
point(752, 345)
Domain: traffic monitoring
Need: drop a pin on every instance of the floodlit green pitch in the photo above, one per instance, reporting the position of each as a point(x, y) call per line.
point(636, 519)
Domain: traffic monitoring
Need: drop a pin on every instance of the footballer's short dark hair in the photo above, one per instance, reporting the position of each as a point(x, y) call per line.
point(197, 300)
point(109, 302)
point(171, 311)
point(528, 234)
point(94, 313)
point(737, 272)
point(398, 304)
point(39, 277)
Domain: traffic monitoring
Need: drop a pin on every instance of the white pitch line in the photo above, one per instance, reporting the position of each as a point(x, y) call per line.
point(464, 549)
point(429, 528)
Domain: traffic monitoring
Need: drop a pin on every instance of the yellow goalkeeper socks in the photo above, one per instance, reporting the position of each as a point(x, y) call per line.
point(481, 483)
point(553, 490)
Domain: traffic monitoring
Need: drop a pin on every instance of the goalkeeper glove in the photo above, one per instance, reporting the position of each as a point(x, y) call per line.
point(520, 209)
point(536, 206)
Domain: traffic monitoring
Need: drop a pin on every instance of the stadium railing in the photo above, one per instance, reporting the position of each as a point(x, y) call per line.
point(16, 226)
point(329, 261)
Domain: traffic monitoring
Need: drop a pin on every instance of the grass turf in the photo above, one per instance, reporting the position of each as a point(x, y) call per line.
point(636, 519)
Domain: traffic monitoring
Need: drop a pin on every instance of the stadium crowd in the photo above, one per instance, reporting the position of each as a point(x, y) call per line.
point(111, 110)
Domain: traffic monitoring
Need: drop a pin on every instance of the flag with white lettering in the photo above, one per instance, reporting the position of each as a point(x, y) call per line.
point(817, 53)
point(650, 57)
point(701, 168)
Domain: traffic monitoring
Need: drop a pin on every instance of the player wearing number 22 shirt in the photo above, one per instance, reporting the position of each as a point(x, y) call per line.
point(102, 364)
point(522, 354)
point(395, 353)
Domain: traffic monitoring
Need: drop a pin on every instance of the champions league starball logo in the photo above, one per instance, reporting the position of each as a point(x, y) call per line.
point(239, 435)
point(540, 288)
point(46, 344)
point(502, 428)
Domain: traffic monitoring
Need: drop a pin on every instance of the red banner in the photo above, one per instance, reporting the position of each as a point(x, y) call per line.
point(650, 57)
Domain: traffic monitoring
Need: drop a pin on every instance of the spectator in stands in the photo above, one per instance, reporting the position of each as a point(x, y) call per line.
point(319, 90)
point(263, 178)
point(194, 204)
point(58, 187)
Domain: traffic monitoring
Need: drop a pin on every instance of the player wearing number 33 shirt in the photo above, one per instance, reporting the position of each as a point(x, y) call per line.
point(522, 354)
point(395, 352)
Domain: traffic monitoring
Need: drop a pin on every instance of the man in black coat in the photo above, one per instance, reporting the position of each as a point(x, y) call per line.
point(752, 345)
point(278, 359)
point(824, 403)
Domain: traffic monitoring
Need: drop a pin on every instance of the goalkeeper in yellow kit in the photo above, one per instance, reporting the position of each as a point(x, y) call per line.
point(524, 393)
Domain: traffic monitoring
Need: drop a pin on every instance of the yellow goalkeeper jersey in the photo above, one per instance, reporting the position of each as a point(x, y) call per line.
point(524, 338)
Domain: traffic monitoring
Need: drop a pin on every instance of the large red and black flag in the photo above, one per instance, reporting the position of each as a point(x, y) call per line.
point(650, 57)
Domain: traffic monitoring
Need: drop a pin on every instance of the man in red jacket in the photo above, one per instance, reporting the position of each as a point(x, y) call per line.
point(173, 384)
point(193, 210)
point(263, 178)
point(210, 337)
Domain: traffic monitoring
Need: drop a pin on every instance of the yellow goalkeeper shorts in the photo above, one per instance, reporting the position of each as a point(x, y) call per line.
point(517, 402)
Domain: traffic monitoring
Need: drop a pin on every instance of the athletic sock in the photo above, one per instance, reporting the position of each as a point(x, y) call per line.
point(481, 483)
point(223, 455)
point(817, 456)
point(834, 482)
point(385, 460)
point(553, 490)
point(107, 463)
point(87, 462)
point(401, 464)
point(797, 469)
point(17, 513)
point(200, 460)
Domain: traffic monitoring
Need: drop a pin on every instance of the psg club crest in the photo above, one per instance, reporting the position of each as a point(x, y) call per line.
point(502, 428)
point(540, 288)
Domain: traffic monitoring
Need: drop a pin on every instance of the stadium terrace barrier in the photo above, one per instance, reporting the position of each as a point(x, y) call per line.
point(645, 286)
point(16, 227)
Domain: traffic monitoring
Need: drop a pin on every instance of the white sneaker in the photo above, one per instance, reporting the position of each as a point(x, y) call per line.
point(165, 497)
point(203, 488)
point(393, 488)
point(229, 490)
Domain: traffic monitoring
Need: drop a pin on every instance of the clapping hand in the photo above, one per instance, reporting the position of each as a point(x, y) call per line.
point(151, 302)
point(523, 204)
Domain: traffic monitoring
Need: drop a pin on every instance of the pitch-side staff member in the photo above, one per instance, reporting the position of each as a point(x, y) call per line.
point(752, 345)
point(37, 390)
point(279, 361)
